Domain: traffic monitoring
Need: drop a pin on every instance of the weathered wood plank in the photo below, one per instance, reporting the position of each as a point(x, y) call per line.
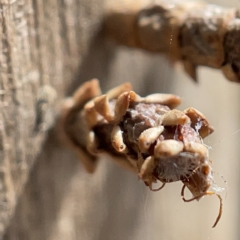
point(41, 44)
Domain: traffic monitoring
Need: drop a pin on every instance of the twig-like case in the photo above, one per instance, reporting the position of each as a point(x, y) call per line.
point(145, 135)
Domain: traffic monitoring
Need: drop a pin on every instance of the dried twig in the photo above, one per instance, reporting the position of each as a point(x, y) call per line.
point(196, 33)
point(145, 135)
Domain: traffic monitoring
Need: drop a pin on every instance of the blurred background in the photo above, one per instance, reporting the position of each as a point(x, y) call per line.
point(61, 201)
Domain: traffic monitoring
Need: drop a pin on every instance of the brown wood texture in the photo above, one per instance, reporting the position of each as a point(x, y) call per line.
point(42, 44)
point(48, 49)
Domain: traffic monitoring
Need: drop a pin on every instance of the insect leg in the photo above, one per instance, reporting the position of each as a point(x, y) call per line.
point(157, 189)
point(205, 194)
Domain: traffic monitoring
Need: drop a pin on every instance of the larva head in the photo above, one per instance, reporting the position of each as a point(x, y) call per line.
point(200, 181)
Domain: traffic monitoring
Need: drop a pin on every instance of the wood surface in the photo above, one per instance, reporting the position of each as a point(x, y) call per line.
point(48, 49)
